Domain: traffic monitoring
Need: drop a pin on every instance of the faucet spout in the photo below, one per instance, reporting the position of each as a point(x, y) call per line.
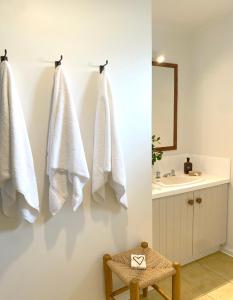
point(166, 175)
point(172, 173)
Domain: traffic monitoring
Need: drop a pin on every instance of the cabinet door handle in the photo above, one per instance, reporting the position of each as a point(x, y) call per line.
point(190, 202)
point(199, 200)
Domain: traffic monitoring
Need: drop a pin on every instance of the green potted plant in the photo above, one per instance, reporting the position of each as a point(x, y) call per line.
point(156, 154)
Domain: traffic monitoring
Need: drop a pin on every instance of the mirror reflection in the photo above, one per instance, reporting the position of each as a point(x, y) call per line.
point(164, 104)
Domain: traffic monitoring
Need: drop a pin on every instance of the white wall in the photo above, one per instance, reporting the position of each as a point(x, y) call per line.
point(211, 111)
point(174, 45)
point(61, 257)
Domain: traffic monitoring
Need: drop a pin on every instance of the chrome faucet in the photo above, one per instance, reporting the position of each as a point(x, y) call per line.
point(167, 175)
point(157, 176)
point(172, 173)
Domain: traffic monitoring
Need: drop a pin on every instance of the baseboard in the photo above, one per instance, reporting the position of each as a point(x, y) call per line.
point(227, 251)
point(201, 255)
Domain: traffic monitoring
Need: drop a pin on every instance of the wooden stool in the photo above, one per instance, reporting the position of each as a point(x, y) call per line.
point(158, 268)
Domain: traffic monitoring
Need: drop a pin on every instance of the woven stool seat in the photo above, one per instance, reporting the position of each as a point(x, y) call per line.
point(158, 267)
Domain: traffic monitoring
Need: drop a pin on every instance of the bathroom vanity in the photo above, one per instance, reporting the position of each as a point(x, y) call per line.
point(190, 220)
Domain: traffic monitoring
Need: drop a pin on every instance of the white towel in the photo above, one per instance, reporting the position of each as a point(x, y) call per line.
point(17, 176)
point(108, 165)
point(66, 162)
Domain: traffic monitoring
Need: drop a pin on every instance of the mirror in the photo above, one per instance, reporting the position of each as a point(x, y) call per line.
point(164, 104)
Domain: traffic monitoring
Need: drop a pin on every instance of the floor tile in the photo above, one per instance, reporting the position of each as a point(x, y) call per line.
point(224, 292)
point(205, 297)
point(205, 279)
point(200, 279)
point(219, 263)
point(153, 296)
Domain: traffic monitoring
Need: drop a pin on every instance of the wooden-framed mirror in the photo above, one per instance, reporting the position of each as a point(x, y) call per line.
point(165, 104)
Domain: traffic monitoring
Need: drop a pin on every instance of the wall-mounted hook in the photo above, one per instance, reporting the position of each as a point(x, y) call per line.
point(4, 57)
point(58, 62)
point(103, 66)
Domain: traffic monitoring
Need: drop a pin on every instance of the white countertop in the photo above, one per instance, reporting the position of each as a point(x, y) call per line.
point(159, 191)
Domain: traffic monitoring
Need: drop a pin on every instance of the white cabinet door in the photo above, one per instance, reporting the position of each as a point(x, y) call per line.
point(210, 219)
point(173, 226)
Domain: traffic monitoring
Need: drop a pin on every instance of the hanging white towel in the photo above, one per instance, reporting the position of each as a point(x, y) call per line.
point(17, 176)
point(108, 165)
point(66, 162)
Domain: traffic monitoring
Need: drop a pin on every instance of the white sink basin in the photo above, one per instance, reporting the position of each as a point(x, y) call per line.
point(179, 180)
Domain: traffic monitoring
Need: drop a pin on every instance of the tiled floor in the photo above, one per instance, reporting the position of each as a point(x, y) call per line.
point(205, 279)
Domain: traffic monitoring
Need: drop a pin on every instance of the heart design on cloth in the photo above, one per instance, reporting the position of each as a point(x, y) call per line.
point(139, 259)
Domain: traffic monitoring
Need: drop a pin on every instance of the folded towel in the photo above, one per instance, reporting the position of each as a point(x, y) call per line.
point(108, 165)
point(17, 176)
point(66, 162)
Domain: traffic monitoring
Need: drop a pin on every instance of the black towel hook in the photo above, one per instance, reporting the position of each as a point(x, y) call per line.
point(4, 57)
point(58, 62)
point(103, 66)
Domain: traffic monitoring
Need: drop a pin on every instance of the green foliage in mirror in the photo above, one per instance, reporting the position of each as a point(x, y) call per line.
point(156, 155)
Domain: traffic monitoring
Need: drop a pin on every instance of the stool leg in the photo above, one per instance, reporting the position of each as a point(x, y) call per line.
point(176, 283)
point(144, 245)
point(145, 292)
point(134, 290)
point(107, 277)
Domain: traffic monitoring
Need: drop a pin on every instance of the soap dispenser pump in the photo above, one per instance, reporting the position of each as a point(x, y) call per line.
point(188, 166)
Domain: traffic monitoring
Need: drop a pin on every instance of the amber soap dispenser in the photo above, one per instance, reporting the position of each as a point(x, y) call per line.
point(188, 166)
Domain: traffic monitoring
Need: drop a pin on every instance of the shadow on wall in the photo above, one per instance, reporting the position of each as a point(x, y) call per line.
point(21, 238)
point(67, 221)
point(8, 223)
point(110, 213)
point(113, 216)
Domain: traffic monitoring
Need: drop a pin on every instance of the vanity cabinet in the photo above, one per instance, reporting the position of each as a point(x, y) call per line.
point(210, 218)
point(190, 225)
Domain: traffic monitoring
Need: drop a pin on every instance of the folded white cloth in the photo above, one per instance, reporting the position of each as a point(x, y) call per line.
point(66, 162)
point(108, 165)
point(17, 176)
